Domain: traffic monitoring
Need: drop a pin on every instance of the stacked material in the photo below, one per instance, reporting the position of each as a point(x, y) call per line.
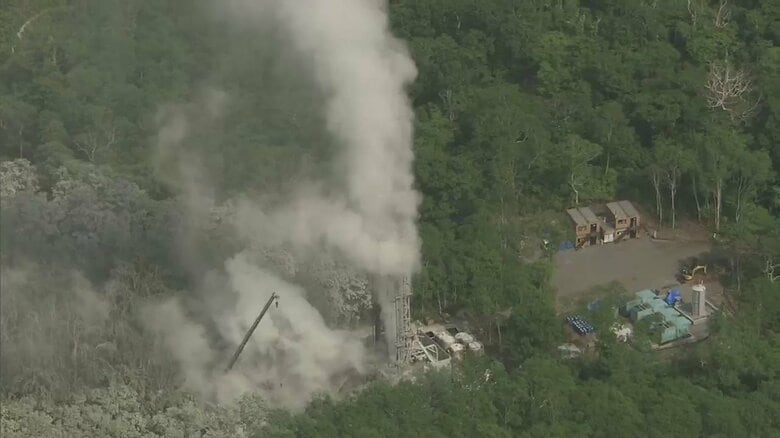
point(580, 325)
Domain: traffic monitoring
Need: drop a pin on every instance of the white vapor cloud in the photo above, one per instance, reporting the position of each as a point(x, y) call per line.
point(368, 216)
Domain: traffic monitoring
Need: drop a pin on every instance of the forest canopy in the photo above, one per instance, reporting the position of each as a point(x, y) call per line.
point(521, 109)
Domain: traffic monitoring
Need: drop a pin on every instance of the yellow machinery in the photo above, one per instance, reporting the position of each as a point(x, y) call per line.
point(687, 274)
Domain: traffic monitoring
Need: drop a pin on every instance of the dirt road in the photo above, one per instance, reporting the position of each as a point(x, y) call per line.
point(637, 264)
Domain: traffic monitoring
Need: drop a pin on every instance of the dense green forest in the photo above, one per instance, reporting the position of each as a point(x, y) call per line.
point(522, 109)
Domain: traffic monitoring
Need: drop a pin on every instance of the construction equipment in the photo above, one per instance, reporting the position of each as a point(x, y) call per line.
point(251, 330)
point(688, 274)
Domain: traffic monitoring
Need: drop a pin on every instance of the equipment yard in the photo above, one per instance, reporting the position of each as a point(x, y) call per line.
point(636, 264)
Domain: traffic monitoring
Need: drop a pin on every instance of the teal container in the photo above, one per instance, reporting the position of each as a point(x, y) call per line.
point(668, 332)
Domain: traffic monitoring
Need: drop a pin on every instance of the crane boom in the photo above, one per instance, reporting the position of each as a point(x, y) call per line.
point(249, 332)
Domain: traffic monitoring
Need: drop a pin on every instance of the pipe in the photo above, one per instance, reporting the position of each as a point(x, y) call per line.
point(251, 330)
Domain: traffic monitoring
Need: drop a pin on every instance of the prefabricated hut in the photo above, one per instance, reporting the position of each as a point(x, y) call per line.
point(633, 217)
point(617, 217)
point(586, 225)
point(624, 217)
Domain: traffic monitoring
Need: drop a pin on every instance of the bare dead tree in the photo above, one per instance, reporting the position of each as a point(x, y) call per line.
point(723, 15)
point(728, 89)
point(655, 174)
point(770, 269)
point(693, 11)
point(695, 190)
point(573, 185)
point(30, 21)
point(20, 32)
point(446, 98)
point(90, 143)
point(672, 178)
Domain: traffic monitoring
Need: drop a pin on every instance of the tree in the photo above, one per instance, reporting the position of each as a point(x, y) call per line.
point(577, 154)
point(717, 150)
point(752, 170)
point(671, 161)
point(521, 109)
point(17, 176)
point(728, 89)
point(16, 120)
point(100, 137)
point(656, 175)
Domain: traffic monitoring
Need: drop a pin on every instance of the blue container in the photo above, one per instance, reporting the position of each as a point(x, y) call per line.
point(673, 297)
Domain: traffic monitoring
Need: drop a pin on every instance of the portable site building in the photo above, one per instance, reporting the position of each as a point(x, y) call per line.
point(580, 224)
point(633, 218)
point(624, 217)
point(617, 217)
point(587, 226)
point(618, 220)
point(591, 217)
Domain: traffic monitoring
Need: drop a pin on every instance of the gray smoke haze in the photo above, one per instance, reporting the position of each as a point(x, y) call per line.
point(367, 218)
point(53, 320)
point(364, 70)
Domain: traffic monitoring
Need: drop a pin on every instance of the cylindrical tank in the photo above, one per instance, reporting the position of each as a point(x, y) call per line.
point(699, 300)
point(445, 338)
point(464, 338)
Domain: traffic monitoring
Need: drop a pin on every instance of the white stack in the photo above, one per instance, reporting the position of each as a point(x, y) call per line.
point(699, 300)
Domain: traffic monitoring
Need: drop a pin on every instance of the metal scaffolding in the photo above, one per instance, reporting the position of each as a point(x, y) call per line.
point(404, 336)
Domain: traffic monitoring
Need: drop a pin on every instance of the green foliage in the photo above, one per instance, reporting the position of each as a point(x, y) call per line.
point(522, 109)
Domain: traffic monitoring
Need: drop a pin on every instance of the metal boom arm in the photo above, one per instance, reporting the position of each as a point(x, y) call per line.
point(251, 330)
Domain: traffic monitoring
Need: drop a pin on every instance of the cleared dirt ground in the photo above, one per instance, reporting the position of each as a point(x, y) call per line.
point(637, 264)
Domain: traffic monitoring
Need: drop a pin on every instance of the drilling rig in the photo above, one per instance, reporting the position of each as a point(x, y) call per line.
point(404, 335)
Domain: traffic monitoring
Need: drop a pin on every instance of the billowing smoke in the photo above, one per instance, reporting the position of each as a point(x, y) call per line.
point(292, 356)
point(367, 218)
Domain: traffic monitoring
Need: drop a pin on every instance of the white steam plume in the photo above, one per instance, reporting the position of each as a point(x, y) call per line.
point(368, 218)
point(291, 356)
point(364, 70)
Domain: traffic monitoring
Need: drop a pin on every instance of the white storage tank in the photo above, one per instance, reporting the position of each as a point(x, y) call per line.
point(699, 300)
point(446, 339)
point(464, 338)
